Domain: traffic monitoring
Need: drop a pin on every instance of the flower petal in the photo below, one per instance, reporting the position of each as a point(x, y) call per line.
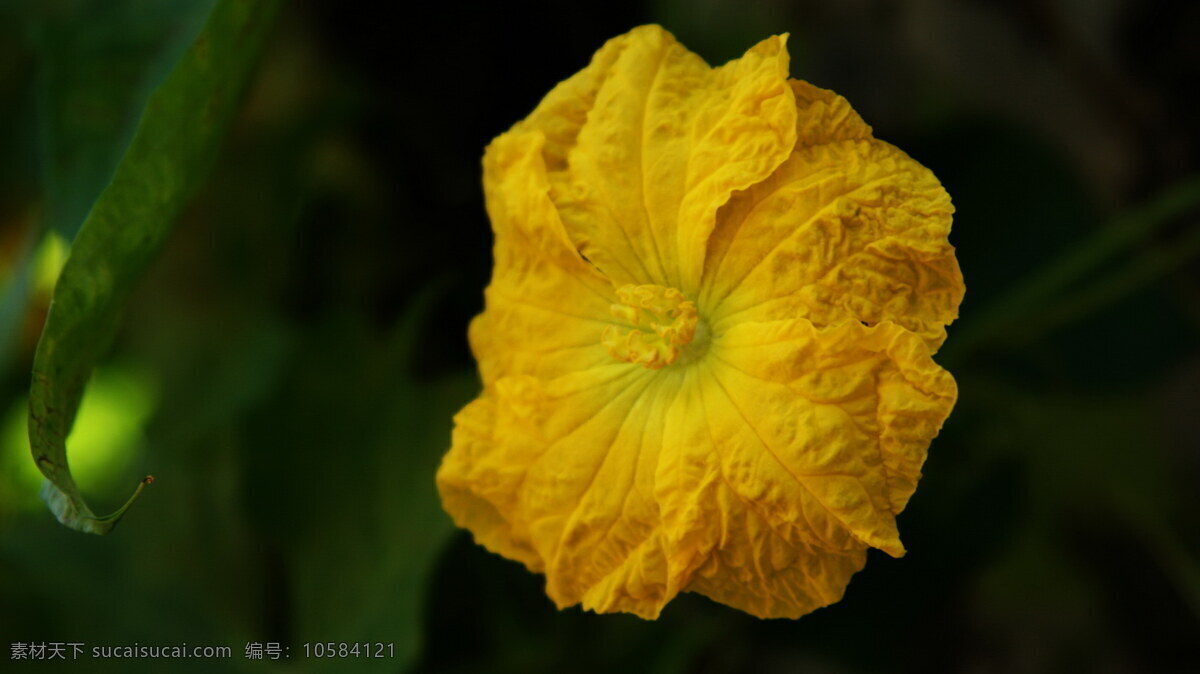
point(545, 310)
point(590, 500)
point(478, 482)
point(854, 407)
point(648, 142)
point(528, 450)
point(759, 571)
point(727, 545)
point(848, 228)
point(546, 306)
point(791, 457)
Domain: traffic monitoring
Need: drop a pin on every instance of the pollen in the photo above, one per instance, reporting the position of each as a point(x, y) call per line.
point(662, 323)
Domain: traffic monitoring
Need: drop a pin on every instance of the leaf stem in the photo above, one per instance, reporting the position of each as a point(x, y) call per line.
point(1041, 288)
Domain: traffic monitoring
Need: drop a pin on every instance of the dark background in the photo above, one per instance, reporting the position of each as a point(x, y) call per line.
point(289, 367)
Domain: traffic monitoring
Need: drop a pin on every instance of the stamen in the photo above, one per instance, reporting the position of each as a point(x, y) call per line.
point(663, 322)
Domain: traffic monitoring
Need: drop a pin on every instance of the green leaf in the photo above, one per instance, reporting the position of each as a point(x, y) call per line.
point(175, 144)
point(1008, 315)
point(98, 62)
point(1156, 262)
point(343, 480)
point(388, 511)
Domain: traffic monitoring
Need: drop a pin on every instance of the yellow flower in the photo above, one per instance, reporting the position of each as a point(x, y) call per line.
point(706, 348)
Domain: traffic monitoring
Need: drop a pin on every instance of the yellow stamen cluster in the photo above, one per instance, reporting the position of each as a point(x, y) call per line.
point(662, 320)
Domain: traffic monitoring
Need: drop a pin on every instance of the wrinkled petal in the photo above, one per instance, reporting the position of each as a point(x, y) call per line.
point(760, 572)
point(848, 228)
point(649, 141)
point(479, 481)
point(850, 410)
point(726, 543)
point(773, 454)
point(545, 306)
point(787, 453)
point(563, 481)
point(590, 499)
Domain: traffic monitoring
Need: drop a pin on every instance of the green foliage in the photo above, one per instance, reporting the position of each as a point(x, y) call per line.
point(353, 503)
point(98, 63)
point(176, 140)
point(1041, 302)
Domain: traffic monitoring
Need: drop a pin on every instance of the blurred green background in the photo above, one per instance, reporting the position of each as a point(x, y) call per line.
point(289, 365)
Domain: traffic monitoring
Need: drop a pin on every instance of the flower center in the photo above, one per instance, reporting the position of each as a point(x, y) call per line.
point(663, 323)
